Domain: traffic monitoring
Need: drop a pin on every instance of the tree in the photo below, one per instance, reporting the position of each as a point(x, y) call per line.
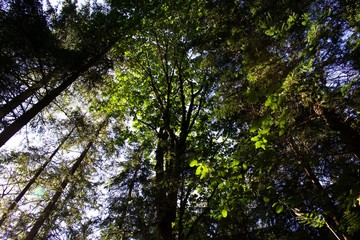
point(84, 56)
point(33, 179)
point(302, 48)
point(163, 71)
point(51, 205)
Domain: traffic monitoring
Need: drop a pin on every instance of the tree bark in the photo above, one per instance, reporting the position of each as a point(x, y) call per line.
point(14, 127)
point(16, 101)
point(164, 218)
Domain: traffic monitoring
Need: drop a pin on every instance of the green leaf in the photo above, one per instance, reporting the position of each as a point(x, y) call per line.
point(198, 170)
point(193, 163)
point(235, 163)
point(204, 171)
point(260, 144)
point(245, 167)
point(279, 208)
point(264, 131)
point(266, 199)
point(255, 139)
point(224, 213)
point(253, 129)
point(270, 32)
point(268, 102)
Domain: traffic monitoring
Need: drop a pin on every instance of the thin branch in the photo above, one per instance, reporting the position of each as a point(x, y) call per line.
point(147, 124)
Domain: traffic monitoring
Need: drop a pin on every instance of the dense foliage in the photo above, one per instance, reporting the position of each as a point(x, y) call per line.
point(180, 119)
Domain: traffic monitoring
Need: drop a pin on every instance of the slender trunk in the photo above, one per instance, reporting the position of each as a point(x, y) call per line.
point(14, 127)
point(51, 205)
point(56, 215)
point(21, 98)
point(33, 179)
point(170, 154)
point(168, 181)
point(168, 171)
point(327, 202)
point(184, 197)
point(24, 119)
point(16, 101)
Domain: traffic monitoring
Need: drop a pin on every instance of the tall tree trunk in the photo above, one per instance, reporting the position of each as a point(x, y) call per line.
point(51, 205)
point(180, 149)
point(164, 219)
point(56, 215)
point(33, 179)
point(24, 119)
point(168, 173)
point(14, 127)
point(31, 91)
point(16, 101)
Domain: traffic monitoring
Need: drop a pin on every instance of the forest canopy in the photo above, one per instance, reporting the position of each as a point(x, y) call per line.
point(180, 120)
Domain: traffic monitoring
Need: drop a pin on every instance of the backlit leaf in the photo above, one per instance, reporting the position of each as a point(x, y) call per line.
point(224, 213)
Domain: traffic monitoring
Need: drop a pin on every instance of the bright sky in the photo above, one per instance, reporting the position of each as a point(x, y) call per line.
point(80, 2)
